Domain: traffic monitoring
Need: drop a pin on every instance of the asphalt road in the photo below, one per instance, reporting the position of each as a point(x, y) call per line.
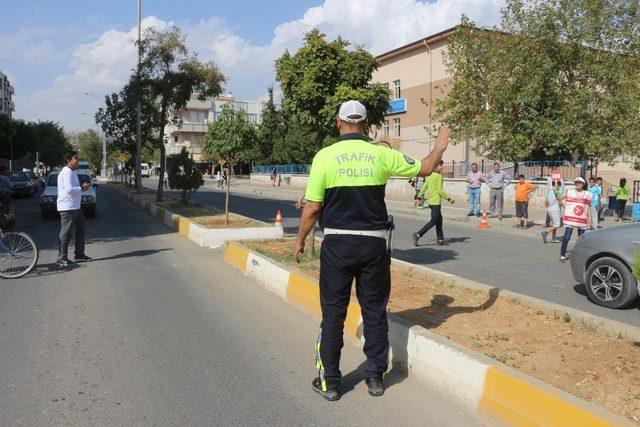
point(158, 331)
point(508, 259)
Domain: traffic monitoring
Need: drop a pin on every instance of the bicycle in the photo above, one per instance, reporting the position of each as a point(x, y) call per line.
point(18, 251)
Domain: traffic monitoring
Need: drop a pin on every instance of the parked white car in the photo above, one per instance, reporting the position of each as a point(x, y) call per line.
point(49, 197)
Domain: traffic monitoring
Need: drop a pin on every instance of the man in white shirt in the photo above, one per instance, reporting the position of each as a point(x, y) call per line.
point(71, 216)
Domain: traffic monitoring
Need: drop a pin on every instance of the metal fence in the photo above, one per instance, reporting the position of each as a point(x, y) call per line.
point(293, 169)
point(532, 170)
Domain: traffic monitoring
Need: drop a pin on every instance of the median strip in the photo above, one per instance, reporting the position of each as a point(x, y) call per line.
point(441, 342)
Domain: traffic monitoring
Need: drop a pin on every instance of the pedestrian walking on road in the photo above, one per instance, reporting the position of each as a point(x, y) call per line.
point(497, 180)
point(599, 183)
point(577, 213)
point(418, 201)
point(553, 212)
point(595, 189)
point(274, 176)
point(165, 179)
point(71, 216)
point(346, 191)
point(433, 187)
point(475, 179)
point(523, 191)
point(623, 194)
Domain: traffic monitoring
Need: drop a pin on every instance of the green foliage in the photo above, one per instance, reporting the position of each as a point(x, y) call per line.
point(560, 77)
point(296, 147)
point(231, 137)
point(635, 268)
point(321, 75)
point(27, 138)
point(271, 130)
point(90, 148)
point(184, 175)
point(167, 78)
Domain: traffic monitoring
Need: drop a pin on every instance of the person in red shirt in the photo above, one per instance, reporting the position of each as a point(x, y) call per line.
point(523, 192)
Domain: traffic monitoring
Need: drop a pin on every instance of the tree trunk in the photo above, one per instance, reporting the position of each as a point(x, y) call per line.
point(160, 144)
point(163, 167)
point(226, 200)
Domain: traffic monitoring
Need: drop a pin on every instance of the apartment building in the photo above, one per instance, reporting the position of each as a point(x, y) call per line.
point(6, 96)
point(417, 76)
point(188, 127)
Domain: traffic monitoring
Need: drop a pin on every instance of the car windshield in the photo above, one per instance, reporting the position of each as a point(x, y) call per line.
point(18, 176)
point(52, 181)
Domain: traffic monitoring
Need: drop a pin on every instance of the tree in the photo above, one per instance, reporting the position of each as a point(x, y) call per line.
point(270, 131)
point(170, 76)
point(118, 121)
point(184, 175)
point(323, 74)
point(560, 76)
point(8, 129)
point(233, 139)
point(51, 142)
point(90, 148)
point(296, 147)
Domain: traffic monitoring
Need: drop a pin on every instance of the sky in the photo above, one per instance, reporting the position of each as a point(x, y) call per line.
point(55, 51)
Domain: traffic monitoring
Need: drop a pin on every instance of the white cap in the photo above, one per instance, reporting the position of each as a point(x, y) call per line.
point(352, 112)
point(580, 179)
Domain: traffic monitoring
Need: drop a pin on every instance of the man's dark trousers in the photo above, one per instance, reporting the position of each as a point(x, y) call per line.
point(436, 219)
point(343, 258)
point(68, 221)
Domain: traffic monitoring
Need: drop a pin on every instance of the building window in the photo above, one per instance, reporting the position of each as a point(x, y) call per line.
point(197, 116)
point(396, 128)
point(385, 128)
point(396, 89)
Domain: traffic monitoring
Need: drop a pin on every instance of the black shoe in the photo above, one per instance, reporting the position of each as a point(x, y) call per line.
point(331, 394)
point(441, 242)
point(64, 263)
point(376, 386)
point(415, 239)
point(82, 257)
point(478, 214)
point(470, 214)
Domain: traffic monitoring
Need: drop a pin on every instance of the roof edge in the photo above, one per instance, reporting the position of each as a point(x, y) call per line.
point(413, 45)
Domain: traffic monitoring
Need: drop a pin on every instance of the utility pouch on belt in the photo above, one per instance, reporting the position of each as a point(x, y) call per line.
point(390, 226)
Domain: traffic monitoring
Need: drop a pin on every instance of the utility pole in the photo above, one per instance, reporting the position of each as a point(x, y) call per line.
point(139, 105)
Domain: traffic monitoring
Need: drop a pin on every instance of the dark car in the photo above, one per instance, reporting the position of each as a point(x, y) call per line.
point(23, 184)
point(602, 260)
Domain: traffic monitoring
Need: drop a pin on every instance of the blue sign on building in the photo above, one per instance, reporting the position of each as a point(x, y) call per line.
point(397, 106)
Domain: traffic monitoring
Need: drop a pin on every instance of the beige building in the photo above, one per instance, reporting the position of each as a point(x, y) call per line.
point(6, 96)
point(188, 127)
point(417, 76)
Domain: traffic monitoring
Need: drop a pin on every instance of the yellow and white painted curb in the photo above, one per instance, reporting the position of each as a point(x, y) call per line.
point(205, 237)
point(481, 381)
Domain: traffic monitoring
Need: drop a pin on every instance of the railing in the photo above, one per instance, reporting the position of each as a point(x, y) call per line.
point(532, 170)
point(293, 169)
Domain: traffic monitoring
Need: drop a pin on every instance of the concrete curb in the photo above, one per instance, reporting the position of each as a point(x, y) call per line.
point(480, 381)
point(202, 236)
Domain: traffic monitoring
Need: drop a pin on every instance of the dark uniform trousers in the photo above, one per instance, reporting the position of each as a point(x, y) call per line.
point(343, 258)
point(70, 220)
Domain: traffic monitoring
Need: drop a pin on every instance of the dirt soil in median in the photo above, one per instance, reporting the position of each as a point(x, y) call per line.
point(571, 355)
point(206, 216)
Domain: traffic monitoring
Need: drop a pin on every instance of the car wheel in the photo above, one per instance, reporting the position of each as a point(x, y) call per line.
point(609, 283)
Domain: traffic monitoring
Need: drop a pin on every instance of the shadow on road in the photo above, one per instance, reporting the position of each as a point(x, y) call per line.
point(51, 269)
point(441, 310)
point(581, 289)
point(424, 255)
point(140, 253)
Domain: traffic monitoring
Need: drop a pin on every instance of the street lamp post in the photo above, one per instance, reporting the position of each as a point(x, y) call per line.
point(139, 106)
point(104, 141)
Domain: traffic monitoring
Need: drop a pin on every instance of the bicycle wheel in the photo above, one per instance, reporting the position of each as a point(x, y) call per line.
point(18, 255)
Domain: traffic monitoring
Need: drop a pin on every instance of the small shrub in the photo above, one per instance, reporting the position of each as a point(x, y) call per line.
point(184, 175)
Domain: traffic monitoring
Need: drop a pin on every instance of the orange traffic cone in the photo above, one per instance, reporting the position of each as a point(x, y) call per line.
point(483, 222)
point(279, 219)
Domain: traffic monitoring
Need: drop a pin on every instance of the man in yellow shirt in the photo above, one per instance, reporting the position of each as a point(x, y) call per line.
point(433, 187)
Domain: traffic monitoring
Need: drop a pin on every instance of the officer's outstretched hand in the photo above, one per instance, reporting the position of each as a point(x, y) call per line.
point(443, 138)
point(297, 250)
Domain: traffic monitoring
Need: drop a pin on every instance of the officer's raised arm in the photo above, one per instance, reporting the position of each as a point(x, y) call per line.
point(430, 162)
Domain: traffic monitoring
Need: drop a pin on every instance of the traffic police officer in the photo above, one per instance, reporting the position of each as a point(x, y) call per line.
point(346, 191)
